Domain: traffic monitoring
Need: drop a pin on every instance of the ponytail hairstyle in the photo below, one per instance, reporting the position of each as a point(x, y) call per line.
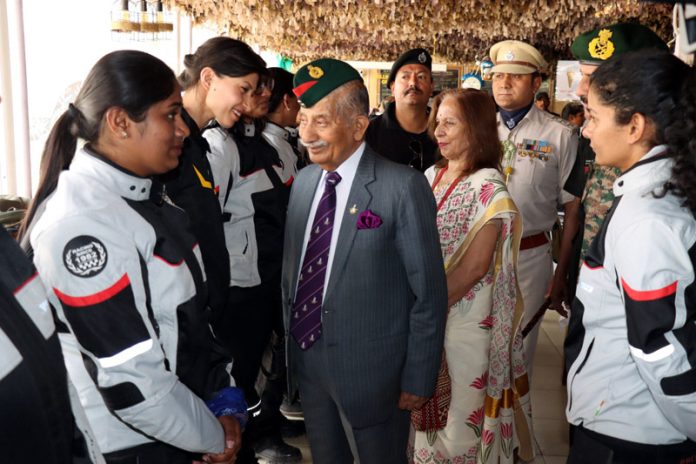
point(128, 79)
point(681, 140)
point(282, 86)
point(224, 55)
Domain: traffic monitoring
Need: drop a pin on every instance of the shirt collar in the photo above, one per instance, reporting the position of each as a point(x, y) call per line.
point(112, 176)
point(349, 167)
point(650, 172)
point(512, 118)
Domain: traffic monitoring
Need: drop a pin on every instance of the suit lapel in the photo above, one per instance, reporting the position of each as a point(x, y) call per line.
point(298, 217)
point(361, 197)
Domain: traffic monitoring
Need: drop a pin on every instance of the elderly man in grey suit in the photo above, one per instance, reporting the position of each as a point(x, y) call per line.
point(364, 287)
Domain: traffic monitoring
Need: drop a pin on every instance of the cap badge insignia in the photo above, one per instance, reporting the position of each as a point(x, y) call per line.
point(509, 56)
point(601, 47)
point(422, 58)
point(315, 72)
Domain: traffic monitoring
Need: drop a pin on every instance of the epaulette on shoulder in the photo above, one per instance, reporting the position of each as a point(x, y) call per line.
point(560, 120)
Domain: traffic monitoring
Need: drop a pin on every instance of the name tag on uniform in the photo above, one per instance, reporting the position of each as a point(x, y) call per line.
point(535, 149)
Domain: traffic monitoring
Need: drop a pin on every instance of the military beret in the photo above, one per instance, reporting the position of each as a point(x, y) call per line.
point(414, 56)
point(318, 78)
point(599, 45)
point(515, 57)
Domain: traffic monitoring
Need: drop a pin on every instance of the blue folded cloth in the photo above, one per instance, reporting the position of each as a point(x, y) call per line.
point(229, 402)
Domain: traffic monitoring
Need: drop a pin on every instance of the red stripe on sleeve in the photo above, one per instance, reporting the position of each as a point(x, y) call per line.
point(25, 283)
point(96, 298)
point(649, 295)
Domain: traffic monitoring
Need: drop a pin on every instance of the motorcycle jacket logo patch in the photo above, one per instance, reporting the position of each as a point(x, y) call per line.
point(85, 256)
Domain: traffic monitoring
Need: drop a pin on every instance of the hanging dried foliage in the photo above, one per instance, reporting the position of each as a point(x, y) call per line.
point(457, 31)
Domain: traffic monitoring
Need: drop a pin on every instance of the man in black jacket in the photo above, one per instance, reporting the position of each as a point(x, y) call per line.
point(401, 132)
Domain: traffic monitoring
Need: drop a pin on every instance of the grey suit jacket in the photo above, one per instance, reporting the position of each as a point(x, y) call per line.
point(385, 307)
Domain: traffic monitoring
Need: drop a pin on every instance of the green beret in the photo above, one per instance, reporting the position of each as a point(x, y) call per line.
point(599, 45)
point(414, 56)
point(317, 79)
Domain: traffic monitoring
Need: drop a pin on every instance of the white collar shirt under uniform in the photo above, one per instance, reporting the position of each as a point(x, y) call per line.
point(545, 150)
point(347, 171)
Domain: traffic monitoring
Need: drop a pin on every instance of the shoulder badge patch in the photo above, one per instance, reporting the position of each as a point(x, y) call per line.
point(84, 256)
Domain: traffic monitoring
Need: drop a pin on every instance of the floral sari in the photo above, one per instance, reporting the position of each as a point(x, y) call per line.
point(489, 411)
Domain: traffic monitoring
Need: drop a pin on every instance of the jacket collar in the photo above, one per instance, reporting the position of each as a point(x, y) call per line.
point(651, 172)
point(110, 175)
point(274, 129)
point(361, 196)
point(390, 121)
point(195, 135)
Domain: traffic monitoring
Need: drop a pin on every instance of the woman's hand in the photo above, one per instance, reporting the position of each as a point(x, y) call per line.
point(233, 442)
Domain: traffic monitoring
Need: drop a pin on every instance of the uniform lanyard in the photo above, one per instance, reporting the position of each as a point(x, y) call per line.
point(449, 189)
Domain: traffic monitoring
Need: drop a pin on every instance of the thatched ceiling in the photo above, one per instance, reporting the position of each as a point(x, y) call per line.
point(457, 31)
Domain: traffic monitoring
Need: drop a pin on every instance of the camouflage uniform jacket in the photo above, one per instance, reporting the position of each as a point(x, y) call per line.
point(596, 201)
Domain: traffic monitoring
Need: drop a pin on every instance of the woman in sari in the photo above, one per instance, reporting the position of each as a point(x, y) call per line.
point(480, 411)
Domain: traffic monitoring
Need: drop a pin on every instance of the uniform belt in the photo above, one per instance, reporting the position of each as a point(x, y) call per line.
point(534, 241)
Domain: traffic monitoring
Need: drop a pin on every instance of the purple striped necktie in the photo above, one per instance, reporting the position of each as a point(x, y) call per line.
point(305, 324)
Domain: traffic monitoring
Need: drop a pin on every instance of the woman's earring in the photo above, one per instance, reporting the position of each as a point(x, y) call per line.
point(124, 134)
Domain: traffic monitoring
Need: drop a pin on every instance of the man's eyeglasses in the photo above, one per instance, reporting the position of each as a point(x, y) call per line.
point(416, 148)
point(265, 82)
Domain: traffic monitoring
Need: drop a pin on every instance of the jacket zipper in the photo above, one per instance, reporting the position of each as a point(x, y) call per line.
point(582, 364)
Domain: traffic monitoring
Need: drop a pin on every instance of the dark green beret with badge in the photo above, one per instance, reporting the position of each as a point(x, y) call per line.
point(599, 45)
point(414, 56)
point(318, 78)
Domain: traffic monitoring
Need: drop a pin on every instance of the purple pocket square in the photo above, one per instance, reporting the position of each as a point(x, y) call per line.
point(369, 220)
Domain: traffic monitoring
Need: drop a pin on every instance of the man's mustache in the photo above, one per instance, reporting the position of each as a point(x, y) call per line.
point(414, 90)
point(314, 145)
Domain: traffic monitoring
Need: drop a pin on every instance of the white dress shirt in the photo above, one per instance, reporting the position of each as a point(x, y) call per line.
point(347, 171)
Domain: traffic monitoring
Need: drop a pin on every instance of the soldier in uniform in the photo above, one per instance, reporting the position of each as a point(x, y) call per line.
point(401, 132)
point(590, 182)
point(539, 152)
